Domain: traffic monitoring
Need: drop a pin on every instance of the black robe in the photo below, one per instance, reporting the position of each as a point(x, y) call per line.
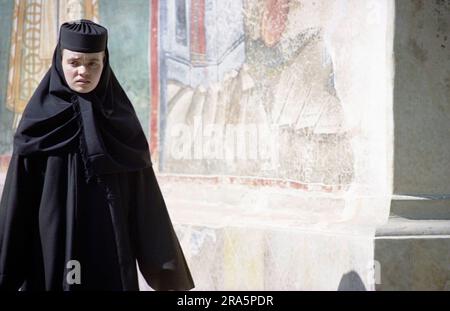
point(80, 187)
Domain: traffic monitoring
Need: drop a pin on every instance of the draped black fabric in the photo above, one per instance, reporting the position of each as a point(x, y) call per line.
point(80, 187)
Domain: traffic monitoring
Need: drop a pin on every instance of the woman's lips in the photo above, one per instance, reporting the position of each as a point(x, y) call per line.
point(83, 82)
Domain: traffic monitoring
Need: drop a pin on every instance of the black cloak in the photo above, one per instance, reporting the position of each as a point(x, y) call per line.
point(80, 187)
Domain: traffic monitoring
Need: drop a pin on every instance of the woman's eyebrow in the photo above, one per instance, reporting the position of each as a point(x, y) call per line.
point(94, 58)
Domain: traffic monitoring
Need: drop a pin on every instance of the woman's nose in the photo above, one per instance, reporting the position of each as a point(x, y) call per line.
point(82, 70)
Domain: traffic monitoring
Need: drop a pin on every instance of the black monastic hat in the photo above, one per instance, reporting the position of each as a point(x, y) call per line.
point(83, 36)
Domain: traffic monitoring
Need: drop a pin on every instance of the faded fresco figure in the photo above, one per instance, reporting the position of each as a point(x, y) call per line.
point(276, 90)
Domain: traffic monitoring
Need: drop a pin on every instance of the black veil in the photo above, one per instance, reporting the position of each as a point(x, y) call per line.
point(56, 115)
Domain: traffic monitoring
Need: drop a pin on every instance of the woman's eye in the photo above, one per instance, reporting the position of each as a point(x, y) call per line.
point(74, 64)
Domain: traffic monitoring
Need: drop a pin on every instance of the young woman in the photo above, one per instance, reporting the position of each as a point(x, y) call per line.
point(81, 203)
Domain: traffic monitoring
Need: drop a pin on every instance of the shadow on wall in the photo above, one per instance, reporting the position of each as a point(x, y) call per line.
point(351, 282)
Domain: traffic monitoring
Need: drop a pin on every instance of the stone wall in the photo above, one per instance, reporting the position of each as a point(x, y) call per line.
point(308, 222)
point(412, 249)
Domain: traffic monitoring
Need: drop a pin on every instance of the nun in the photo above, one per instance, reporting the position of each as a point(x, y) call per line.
point(81, 205)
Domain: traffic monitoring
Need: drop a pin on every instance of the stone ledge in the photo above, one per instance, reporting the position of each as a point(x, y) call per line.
point(421, 206)
point(398, 226)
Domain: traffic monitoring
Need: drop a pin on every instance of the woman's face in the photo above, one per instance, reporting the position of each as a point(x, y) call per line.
point(82, 71)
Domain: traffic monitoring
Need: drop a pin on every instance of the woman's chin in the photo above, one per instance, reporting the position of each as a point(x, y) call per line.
point(81, 89)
